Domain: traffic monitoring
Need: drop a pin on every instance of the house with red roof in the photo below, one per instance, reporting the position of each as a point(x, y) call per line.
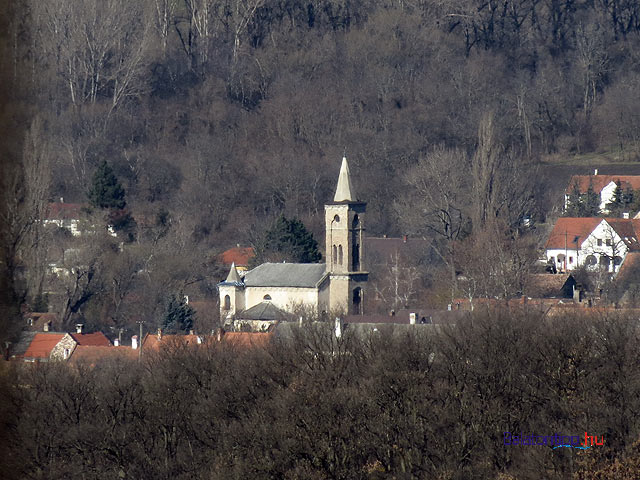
point(42, 347)
point(603, 185)
point(240, 256)
point(65, 215)
point(594, 242)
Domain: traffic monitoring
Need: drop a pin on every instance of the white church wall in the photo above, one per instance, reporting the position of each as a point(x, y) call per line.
point(285, 298)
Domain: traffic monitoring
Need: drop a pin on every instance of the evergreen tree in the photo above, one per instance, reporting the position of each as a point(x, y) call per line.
point(179, 316)
point(575, 203)
point(591, 203)
point(106, 191)
point(290, 239)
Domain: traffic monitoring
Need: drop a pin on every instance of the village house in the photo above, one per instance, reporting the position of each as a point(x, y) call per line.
point(238, 256)
point(65, 215)
point(602, 185)
point(338, 285)
point(595, 242)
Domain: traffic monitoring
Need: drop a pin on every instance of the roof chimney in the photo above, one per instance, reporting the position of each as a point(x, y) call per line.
point(338, 327)
point(595, 172)
point(79, 327)
point(134, 342)
point(625, 214)
point(61, 199)
point(47, 326)
point(412, 318)
point(404, 238)
point(116, 343)
point(159, 334)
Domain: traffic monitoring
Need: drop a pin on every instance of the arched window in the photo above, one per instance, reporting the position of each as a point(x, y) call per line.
point(617, 260)
point(604, 261)
point(334, 257)
point(336, 219)
point(227, 302)
point(356, 305)
point(591, 260)
point(267, 297)
point(340, 254)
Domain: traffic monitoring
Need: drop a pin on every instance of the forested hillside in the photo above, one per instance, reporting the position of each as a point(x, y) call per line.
point(216, 116)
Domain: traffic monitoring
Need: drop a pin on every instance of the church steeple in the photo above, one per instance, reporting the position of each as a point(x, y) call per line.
point(234, 276)
point(345, 220)
point(344, 190)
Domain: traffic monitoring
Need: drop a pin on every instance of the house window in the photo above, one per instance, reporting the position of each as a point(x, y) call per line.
point(267, 297)
point(608, 242)
point(617, 260)
point(599, 242)
point(227, 302)
point(570, 260)
point(591, 260)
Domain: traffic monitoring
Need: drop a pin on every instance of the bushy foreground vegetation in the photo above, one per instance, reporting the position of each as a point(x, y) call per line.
point(396, 404)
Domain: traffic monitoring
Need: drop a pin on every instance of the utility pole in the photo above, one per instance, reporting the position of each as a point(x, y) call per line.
point(140, 322)
point(565, 253)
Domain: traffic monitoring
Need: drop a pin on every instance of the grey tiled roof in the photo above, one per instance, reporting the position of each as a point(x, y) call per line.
point(305, 275)
point(264, 311)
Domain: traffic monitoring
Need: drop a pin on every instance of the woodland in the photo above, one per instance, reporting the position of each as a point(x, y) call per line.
point(210, 120)
point(394, 404)
point(216, 117)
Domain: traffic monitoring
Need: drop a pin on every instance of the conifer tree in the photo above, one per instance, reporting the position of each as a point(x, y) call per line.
point(179, 316)
point(289, 239)
point(106, 191)
point(591, 203)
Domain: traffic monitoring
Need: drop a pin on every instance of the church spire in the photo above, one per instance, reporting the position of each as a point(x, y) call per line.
point(233, 276)
point(344, 190)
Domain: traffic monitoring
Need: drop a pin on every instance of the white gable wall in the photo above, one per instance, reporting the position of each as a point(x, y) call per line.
point(285, 298)
point(606, 195)
point(603, 243)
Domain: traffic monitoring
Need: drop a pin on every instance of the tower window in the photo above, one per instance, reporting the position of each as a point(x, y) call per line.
point(336, 219)
point(334, 257)
point(340, 254)
point(356, 306)
point(356, 221)
point(227, 302)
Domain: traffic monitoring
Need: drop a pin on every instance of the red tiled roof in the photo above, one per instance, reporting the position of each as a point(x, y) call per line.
point(248, 339)
point(238, 255)
point(64, 211)
point(571, 232)
point(42, 344)
point(92, 354)
point(152, 342)
point(96, 339)
point(601, 181)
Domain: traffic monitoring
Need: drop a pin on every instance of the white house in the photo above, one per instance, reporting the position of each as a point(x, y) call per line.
point(336, 286)
point(65, 215)
point(594, 242)
point(602, 185)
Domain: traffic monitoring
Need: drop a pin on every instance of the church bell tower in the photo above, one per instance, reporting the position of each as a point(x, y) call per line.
point(344, 220)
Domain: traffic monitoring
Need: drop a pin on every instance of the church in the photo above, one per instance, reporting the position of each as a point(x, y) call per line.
point(270, 291)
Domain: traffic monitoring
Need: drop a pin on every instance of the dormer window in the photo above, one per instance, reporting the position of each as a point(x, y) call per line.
point(267, 297)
